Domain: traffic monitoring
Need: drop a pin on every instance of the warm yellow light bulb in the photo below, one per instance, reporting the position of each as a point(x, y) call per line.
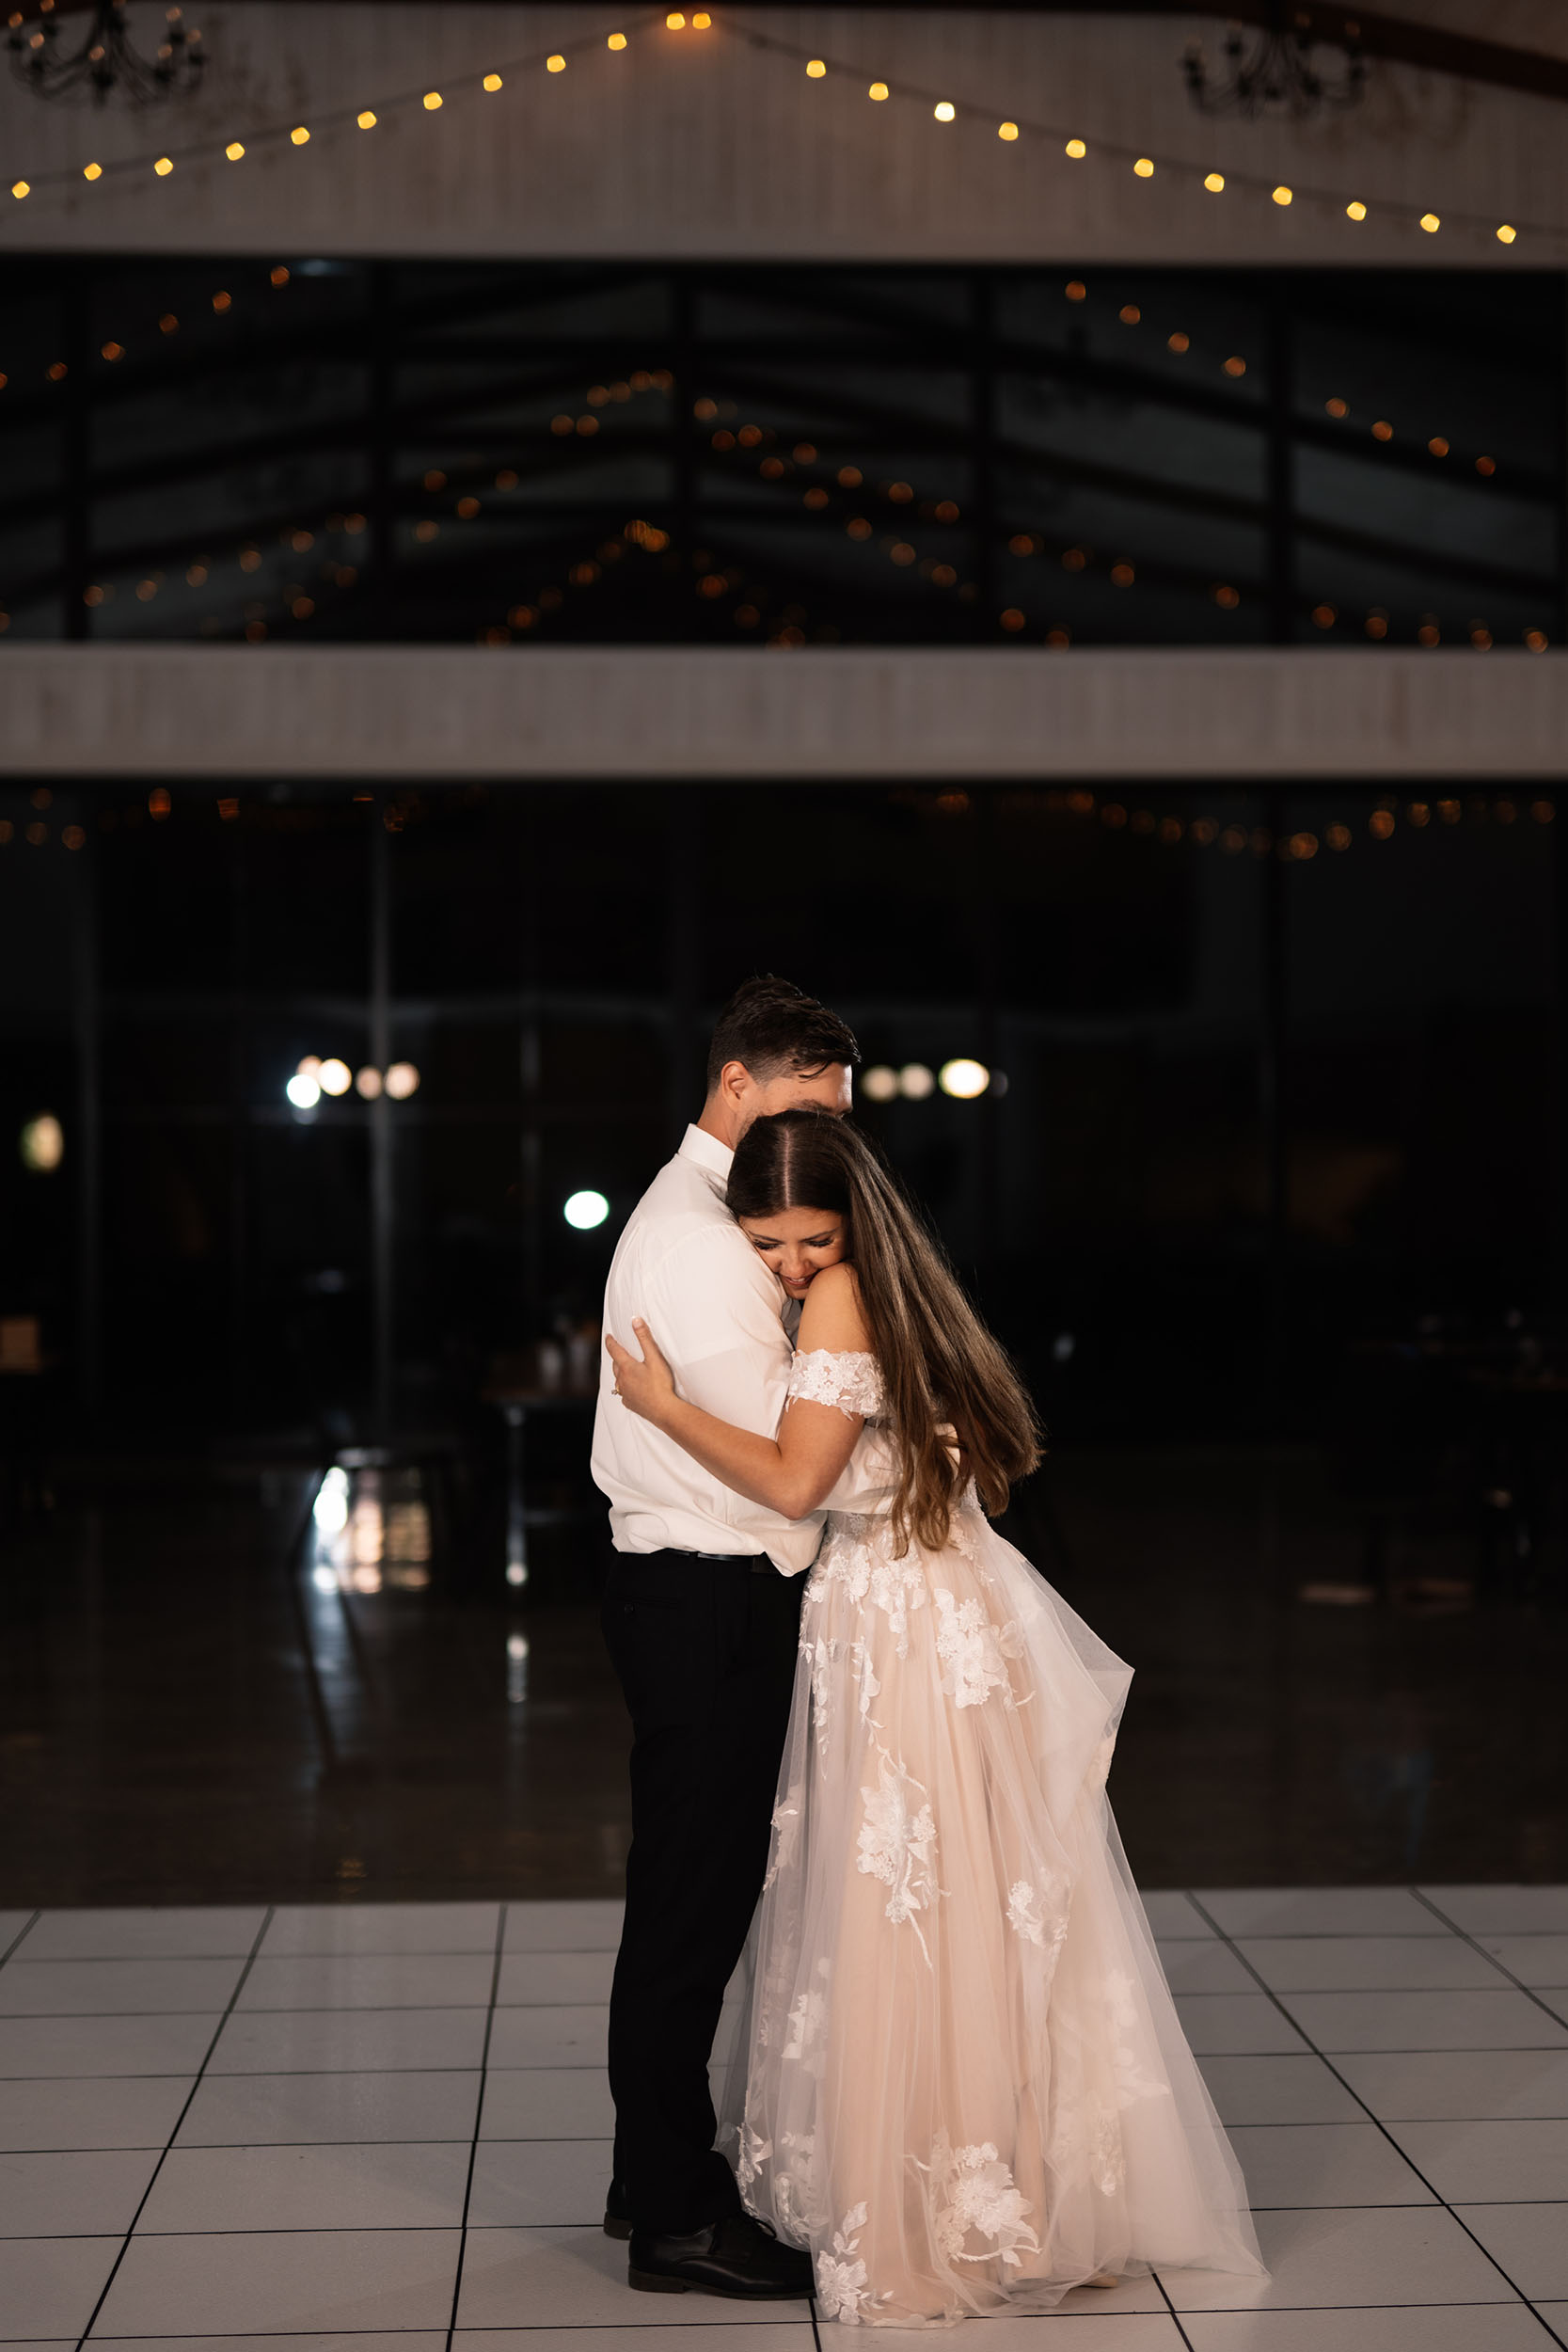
point(163, 166)
point(1506, 236)
point(616, 41)
point(701, 22)
point(1143, 168)
point(367, 121)
point(300, 136)
point(1355, 210)
point(92, 171)
point(675, 21)
point(1430, 223)
point(233, 150)
point(1006, 131)
point(431, 99)
point(1283, 195)
point(1214, 183)
point(945, 110)
point(491, 82)
point(555, 64)
point(1076, 149)
point(815, 69)
point(877, 90)
point(21, 189)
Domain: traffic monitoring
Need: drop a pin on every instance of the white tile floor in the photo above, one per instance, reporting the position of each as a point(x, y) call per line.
point(355, 2128)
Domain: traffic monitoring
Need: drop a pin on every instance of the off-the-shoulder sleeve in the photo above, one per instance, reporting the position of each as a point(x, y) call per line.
point(849, 1379)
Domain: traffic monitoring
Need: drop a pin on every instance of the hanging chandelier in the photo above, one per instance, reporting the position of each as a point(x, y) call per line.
point(1276, 74)
point(106, 65)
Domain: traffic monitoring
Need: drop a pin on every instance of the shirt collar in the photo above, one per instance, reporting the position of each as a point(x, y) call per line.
point(713, 1157)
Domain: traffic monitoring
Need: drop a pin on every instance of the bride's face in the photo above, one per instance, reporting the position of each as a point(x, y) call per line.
point(797, 1244)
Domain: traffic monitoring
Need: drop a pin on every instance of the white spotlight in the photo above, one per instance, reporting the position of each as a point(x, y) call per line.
point(965, 1079)
point(330, 1509)
point(585, 1210)
point(916, 1082)
point(303, 1093)
point(335, 1076)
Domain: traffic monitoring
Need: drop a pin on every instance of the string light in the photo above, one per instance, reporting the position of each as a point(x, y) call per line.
point(1123, 574)
point(878, 91)
point(233, 150)
point(941, 575)
point(1075, 149)
point(491, 83)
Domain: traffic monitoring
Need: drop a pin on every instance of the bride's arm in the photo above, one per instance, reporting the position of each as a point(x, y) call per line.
point(791, 1474)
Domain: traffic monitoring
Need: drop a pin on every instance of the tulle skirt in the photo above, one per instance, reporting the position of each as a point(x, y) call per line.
point(966, 2091)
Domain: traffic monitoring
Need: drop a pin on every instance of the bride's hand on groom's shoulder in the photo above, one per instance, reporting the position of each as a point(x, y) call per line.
point(646, 1384)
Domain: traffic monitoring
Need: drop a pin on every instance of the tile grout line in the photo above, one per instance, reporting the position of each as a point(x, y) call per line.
point(504, 1915)
point(1175, 2314)
point(1350, 2090)
point(1466, 1937)
point(141, 2204)
point(26, 1930)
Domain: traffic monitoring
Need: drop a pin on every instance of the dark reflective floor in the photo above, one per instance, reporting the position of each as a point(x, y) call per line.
point(220, 1687)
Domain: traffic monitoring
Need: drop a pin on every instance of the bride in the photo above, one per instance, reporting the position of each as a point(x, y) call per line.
point(967, 2089)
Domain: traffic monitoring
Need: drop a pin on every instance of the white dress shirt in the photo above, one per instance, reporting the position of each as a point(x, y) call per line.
point(717, 1313)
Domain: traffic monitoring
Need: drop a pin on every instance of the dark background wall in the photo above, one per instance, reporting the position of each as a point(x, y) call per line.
point(1265, 1097)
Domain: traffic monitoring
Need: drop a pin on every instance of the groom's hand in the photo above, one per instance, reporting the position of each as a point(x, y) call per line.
point(646, 1385)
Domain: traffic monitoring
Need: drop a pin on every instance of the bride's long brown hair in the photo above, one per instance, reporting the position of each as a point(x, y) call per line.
point(938, 1362)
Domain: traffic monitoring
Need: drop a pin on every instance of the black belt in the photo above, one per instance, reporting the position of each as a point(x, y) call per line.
point(756, 1561)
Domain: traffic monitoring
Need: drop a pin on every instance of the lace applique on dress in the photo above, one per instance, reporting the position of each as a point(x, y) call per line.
point(974, 1651)
point(840, 2280)
point(973, 2190)
point(848, 1378)
point(898, 1844)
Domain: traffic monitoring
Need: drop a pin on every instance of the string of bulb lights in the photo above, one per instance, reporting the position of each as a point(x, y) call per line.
point(1110, 815)
point(1123, 571)
point(1147, 165)
point(1076, 558)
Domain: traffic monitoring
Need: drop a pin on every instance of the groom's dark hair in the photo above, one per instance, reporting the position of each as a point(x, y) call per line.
point(774, 1027)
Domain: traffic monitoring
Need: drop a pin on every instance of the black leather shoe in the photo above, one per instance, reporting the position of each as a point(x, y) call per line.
point(736, 2256)
point(617, 2214)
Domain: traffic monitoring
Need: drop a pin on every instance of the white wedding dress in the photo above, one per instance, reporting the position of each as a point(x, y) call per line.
point(967, 2090)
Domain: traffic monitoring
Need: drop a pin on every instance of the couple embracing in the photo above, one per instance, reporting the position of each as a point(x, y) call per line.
point(965, 2090)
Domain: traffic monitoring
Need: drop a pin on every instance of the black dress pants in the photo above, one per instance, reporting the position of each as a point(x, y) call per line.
point(705, 1652)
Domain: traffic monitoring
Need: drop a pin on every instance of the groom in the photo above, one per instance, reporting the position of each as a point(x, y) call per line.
point(702, 1618)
